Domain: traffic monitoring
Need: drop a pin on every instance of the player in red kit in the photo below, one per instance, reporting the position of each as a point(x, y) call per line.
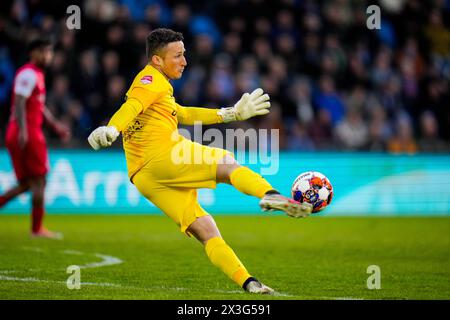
point(25, 140)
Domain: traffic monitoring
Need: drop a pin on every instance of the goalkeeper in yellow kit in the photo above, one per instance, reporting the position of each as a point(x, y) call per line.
point(148, 122)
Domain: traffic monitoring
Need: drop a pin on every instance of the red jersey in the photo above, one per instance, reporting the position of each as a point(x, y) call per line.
point(30, 160)
point(29, 82)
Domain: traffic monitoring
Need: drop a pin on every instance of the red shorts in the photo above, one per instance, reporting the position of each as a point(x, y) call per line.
point(30, 161)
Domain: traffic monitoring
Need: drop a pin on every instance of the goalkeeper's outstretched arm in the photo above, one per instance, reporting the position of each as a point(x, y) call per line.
point(190, 115)
point(104, 136)
point(250, 105)
point(137, 100)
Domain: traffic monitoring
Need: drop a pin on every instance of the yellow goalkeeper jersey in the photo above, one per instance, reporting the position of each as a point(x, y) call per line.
point(149, 118)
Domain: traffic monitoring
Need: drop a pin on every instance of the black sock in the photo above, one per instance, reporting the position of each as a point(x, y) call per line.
point(273, 191)
point(250, 279)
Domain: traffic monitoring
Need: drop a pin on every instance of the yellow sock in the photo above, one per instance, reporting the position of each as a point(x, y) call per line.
point(249, 182)
point(223, 257)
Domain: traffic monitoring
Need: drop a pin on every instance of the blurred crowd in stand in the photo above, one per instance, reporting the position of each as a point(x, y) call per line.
point(335, 84)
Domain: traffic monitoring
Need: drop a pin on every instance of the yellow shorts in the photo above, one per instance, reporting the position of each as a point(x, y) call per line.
point(171, 181)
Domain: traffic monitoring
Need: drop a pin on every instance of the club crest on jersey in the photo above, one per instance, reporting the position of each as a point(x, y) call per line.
point(146, 79)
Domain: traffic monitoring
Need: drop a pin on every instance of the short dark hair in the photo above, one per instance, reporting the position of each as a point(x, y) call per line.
point(38, 43)
point(160, 38)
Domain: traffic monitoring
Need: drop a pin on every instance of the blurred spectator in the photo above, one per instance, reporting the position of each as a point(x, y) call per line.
point(262, 27)
point(59, 96)
point(312, 22)
point(387, 34)
point(298, 139)
point(181, 14)
point(352, 132)
point(321, 130)
point(333, 50)
point(285, 45)
point(138, 8)
point(7, 76)
point(403, 140)
point(381, 70)
point(136, 53)
point(204, 25)
point(338, 14)
point(429, 140)
point(232, 45)
point(278, 69)
point(284, 26)
point(263, 52)
point(328, 99)
point(220, 85)
point(191, 92)
point(357, 73)
point(301, 97)
point(379, 129)
point(202, 53)
point(274, 121)
point(410, 51)
point(79, 120)
point(157, 14)
point(110, 64)
point(438, 34)
point(410, 82)
point(311, 54)
point(390, 96)
point(436, 98)
point(247, 78)
point(115, 91)
point(357, 99)
point(87, 83)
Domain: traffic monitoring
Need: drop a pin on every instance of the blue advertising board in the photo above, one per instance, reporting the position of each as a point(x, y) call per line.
point(88, 182)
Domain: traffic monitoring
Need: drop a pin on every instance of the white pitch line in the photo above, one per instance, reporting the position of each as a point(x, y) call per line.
point(7, 271)
point(276, 293)
point(7, 278)
point(33, 249)
point(341, 298)
point(30, 279)
point(74, 252)
point(99, 284)
point(107, 261)
point(115, 285)
point(280, 294)
point(227, 291)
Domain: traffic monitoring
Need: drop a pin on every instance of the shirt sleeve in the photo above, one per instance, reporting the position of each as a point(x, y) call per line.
point(189, 115)
point(144, 96)
point(25, 83)
point(127, 112)
point(138, 100)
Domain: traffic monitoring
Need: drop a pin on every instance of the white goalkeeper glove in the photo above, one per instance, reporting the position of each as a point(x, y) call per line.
point(251, 104)
point(103, 137)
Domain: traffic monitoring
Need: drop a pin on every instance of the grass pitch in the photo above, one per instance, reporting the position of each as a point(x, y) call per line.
point(146, 257)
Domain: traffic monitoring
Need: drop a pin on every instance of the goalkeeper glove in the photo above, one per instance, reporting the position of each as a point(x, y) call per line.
point(103, 137)
point(250, 105)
